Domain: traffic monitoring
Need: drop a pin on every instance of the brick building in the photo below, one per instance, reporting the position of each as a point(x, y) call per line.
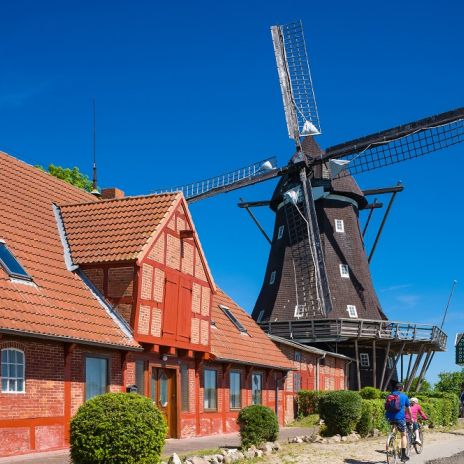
point(99, 295)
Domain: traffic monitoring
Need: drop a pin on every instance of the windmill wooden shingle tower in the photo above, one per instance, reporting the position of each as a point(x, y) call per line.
point(317, 287)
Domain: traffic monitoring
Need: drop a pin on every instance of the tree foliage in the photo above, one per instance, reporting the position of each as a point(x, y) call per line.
point(450, 382)
point(71, 176)
point(425, 385)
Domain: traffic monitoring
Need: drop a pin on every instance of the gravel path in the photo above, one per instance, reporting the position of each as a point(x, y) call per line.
point(371, 451)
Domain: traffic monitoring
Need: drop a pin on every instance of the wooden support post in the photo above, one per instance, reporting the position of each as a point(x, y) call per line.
point(385, 361)
point(414, 369)
point(423, 370)
point(374, 365)
point(409, 366)
point(402, 366)
point(358, 372)
point(393, 369)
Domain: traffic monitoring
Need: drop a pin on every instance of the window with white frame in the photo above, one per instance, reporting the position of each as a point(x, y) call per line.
point(281, 232)
point(345, 271)
point(272, 279)
point(299, 310)
point(339, 226)
point(13, 372)
point(364, 359)
point(352, 310)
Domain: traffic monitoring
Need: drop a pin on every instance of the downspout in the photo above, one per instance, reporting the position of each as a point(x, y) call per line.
point(318, 370)
point(346, 373)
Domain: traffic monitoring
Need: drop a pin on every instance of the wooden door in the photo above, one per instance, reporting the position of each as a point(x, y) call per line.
point(163, 392)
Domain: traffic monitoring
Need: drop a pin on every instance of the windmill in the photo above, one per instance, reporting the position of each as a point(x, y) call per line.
point(317, 287)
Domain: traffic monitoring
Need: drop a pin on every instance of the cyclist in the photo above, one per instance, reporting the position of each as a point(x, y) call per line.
point(395, 406)
point(411, 419)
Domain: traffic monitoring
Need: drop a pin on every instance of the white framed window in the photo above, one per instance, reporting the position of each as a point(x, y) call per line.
point(299, 310)
point(272, 279)
point(345, 271)
point(352, 310)
point(281, 232)
point(13, 371)
point(260, 316)
point(339, 225)
point(364, 359)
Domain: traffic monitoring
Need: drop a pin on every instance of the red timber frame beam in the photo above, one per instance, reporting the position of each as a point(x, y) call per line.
point(68, 352)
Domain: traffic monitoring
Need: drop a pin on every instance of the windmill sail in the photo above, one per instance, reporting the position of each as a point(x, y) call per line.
point(295, 80)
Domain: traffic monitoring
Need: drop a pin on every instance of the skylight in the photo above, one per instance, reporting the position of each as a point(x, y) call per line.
point(233, 319)
point(10, 264)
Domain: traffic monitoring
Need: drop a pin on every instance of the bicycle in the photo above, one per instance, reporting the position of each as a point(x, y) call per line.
point(412, 438)
point(394, 445)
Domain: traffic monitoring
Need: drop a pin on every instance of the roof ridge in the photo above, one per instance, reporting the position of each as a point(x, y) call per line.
point(47, 174)
point(129, 197)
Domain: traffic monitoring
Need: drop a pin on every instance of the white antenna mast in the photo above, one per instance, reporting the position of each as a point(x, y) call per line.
point(295, 81)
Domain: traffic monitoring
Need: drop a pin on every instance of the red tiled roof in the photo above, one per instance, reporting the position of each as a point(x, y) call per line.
point(58, 304)
point(114, 230)
point(228, 343)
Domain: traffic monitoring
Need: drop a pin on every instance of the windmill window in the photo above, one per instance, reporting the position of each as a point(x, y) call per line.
point(281, 232)
point(364, 359)
point(299, 310)
point(233, 319)
point(339, 225)
point(345, 271)
point(272, 279)
point(352, 310)
point(260, 316)
point(10, 264)
point(12, 371)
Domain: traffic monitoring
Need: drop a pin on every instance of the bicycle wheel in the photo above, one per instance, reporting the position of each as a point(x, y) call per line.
point(392, 454)
point(419, 447)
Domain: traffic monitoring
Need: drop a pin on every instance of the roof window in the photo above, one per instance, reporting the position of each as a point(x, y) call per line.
point(10, 264)
point(233, 319)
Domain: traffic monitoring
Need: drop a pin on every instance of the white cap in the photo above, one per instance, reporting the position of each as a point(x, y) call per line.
point(414, 400)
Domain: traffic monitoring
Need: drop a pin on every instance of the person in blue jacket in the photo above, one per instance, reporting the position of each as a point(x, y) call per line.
point(396, 405)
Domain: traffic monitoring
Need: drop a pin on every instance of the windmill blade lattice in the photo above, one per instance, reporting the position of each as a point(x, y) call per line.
point(400, 144)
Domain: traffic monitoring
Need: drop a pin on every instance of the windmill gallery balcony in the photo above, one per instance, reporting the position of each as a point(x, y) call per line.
point(394, 339)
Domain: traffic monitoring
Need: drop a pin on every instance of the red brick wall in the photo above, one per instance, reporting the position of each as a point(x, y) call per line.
point(36, 420)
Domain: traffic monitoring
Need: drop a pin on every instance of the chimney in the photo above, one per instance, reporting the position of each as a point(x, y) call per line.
point(111, 193)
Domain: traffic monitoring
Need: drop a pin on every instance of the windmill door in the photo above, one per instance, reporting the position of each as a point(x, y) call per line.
point(164, 395)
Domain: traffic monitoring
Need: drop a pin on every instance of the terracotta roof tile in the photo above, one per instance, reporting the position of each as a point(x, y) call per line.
point(228, 343)
point(58, 304)
point(114, 230)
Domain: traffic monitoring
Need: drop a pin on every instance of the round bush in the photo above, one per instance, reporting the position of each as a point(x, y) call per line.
point(341, 411)
point(258, 424)
point(117, 428)
point(370, 393)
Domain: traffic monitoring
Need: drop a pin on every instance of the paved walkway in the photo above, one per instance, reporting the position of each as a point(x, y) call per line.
point(183, 445)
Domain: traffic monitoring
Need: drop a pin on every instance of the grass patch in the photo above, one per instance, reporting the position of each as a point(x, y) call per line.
point(307, 421)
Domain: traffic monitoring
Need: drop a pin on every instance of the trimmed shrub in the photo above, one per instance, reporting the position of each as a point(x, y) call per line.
point(341, 411)
point(258, 424)
point(308, 402)
point(370, 393)
point(372, 417)
point(117, 428)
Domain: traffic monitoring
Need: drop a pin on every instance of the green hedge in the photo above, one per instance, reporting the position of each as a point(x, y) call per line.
point(258, 424)
point(308, 402)
point(117, 428)
point(442, 409)
point(341, 411)
point(372, 417)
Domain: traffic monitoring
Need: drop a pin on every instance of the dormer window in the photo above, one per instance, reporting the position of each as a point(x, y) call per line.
point(11, 265)
point(352, 311)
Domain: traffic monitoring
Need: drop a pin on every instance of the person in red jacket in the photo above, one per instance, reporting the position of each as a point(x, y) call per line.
point(416, 410)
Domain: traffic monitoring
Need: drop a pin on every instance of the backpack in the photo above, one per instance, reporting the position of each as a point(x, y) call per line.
point(393, 403)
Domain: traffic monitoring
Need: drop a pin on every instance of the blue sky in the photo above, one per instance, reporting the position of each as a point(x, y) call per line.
point(187, 90)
